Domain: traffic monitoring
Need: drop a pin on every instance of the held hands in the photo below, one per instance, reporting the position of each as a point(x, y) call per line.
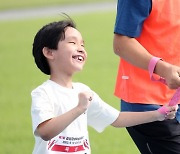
point(85, 99)
point(167, 112)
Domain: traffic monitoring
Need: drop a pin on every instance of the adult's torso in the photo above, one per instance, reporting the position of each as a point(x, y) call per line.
point(160, 35)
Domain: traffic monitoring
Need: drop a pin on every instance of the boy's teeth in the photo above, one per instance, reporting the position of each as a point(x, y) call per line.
point(80, 58)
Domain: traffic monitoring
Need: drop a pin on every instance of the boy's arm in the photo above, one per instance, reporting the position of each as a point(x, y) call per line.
point(127, 119)
point(52, 127)
point(133, 52)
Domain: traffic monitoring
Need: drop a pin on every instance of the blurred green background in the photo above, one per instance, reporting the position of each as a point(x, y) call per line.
point(19, 75)
point(14, 4)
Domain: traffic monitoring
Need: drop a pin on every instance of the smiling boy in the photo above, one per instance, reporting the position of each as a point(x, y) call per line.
point(62, 109)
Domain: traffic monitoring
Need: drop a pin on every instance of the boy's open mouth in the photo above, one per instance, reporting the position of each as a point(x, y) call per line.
point(78, 57)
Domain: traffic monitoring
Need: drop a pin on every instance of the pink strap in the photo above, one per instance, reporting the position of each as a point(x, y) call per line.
point(151, 68)
point(174, 101)
point(176, 97)
point(163, 110)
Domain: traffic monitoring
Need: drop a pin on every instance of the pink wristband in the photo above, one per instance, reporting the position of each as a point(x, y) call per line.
point(163, 110)
point(151, 67)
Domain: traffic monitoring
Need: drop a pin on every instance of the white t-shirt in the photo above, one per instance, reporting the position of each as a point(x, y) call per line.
point(50, 100)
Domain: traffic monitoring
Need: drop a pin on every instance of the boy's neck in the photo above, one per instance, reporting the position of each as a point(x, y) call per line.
point(63, 81)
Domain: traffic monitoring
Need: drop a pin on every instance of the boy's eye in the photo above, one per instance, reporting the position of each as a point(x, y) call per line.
point(72, 42)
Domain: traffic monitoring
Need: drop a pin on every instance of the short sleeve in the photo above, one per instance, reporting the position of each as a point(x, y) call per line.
point(130, 16)
point(100, 114)
point(41, 108)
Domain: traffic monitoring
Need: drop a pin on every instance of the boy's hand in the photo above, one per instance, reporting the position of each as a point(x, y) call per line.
point(167, 112)
point(85, 99)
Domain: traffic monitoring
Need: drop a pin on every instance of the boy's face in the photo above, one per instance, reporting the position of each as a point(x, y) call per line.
point(70, 56)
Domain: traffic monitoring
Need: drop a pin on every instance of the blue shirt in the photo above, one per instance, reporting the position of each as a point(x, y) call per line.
point(135, 107)
point(130, 16)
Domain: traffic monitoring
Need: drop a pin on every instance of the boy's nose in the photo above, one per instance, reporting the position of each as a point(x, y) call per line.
point(81, 49)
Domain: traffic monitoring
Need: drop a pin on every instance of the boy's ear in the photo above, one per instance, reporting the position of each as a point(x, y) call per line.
point(48, 53)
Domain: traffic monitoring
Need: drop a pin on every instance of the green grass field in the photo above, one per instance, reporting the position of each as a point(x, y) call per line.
point(19, 76)
point(14, 4)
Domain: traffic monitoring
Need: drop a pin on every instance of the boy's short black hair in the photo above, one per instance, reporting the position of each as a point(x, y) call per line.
point(49, 36)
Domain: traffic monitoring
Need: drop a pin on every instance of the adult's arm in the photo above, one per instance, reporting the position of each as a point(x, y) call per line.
point(133, 52)
point(129, 21)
